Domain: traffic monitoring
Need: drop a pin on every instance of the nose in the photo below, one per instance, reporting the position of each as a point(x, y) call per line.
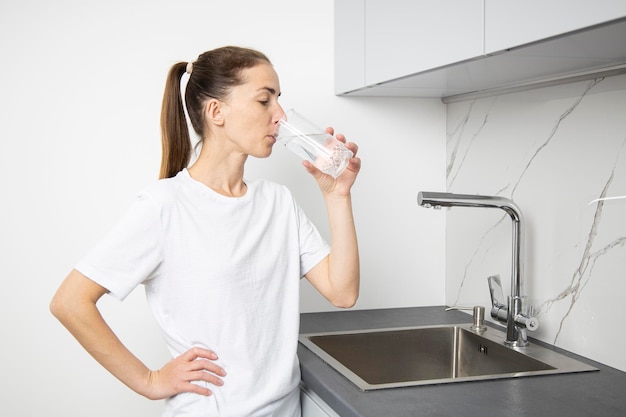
point(280, 113)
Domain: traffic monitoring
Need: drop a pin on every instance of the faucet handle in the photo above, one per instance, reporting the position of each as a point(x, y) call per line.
point(495, 290)
point(499, 309)
point(527, 318)
point(529, 323)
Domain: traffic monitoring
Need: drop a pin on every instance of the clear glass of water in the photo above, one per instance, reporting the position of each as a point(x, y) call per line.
point(312, 143)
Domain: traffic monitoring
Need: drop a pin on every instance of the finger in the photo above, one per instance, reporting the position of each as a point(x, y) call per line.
point(312, 169)
point(196, 389)
point(355, 164)
point(206, 377)
point(205, 365)
point(324, 181)
point(353, 147)
point(198, 352)
point(330, 130)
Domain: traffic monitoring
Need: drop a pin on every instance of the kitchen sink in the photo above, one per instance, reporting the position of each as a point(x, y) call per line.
point(426, 355)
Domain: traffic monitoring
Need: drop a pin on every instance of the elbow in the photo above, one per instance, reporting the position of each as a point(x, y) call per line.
point(74, 297)
point(57, 307)
point(345, 301)
point(347, 296)
point(63, 306)
point(345, 305)
point(66, 310)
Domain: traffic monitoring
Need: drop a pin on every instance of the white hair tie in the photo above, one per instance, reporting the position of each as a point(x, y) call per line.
point(189, 68)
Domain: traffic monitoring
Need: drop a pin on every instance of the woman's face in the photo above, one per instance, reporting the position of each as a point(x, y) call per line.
point(251, 111)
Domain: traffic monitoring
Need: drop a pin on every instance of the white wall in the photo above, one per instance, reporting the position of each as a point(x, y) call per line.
point(81, 84)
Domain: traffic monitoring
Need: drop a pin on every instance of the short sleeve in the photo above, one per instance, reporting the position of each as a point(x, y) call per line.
point(130, 253)
point(313, 247)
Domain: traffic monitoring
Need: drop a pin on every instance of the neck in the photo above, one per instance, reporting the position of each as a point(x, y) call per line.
point(220, 171)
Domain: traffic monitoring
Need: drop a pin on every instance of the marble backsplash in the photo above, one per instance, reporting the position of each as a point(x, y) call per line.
point(553, 151)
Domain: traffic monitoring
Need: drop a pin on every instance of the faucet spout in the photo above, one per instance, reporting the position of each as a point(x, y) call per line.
point(429, 199)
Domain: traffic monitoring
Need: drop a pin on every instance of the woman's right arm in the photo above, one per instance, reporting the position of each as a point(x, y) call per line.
point(74, 305)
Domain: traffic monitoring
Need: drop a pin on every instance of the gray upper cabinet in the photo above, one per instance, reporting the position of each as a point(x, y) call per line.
point(393, 29)
point(349, 45)
point(512, 23)
point(443, 48)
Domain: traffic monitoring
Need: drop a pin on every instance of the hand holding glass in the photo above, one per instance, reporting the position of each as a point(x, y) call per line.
point(313, 144)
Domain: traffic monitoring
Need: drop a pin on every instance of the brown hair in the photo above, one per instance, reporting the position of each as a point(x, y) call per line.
point(214, 74)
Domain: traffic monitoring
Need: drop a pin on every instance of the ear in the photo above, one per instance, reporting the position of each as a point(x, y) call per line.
point(215, 112)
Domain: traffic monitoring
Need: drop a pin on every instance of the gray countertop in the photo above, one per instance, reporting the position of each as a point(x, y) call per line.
point(600, 393)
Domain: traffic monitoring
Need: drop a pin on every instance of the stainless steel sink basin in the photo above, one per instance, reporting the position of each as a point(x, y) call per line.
point(426, 355)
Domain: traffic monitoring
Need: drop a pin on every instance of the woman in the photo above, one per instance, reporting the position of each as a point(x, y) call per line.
point(220, 256)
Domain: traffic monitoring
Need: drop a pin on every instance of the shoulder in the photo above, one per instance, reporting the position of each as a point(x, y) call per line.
point(166, 187)
point(162, 192)
point(268, 186)
point(277, 198)
point(163, 186)
point(270, 189)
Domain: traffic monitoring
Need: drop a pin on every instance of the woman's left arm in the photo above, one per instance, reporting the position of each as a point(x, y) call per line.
point(337, 276)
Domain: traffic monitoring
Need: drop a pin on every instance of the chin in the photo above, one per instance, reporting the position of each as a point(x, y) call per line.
point(263, 154)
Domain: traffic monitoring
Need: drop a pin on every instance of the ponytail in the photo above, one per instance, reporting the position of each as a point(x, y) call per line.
point(175, 141)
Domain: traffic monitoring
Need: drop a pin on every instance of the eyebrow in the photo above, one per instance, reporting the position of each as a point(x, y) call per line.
point(271, 90)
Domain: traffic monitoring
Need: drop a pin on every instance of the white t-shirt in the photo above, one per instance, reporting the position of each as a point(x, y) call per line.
point(220, 273)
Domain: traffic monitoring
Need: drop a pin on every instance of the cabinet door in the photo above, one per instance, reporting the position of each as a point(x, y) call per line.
point(349, 45)
point(510, 23)
point(406, 37)
point(313, 405)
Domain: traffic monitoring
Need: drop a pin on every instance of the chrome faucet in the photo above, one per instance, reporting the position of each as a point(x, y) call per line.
point(511, 313)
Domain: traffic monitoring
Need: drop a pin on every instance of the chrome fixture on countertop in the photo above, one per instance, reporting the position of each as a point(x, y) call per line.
point(511, 313)
point(478, 314)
